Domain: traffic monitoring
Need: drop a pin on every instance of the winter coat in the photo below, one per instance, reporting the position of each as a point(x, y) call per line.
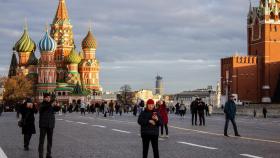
point(230, 109)
point(201, 107)
point(47, 117)
point(194, 106)
point(163, 114)
point(28, 119)
point(148, 129)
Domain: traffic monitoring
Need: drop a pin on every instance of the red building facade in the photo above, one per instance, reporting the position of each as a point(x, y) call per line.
point(254, 77)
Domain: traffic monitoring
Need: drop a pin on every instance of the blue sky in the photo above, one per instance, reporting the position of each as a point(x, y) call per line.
point(181, 40)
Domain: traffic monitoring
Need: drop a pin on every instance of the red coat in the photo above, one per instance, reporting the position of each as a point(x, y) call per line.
point(163, 113)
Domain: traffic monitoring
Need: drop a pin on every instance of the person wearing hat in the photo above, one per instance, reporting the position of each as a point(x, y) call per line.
point(47, 123)
point(150, 120)
point(27, 111)
point(230, 112)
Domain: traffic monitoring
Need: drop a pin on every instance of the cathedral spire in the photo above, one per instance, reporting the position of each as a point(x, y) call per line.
point(61, 13)
point(13, 65)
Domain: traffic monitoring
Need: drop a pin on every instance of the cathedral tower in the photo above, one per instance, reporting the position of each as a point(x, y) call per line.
point(25, 46)
point(61, 32)
point(47, 66)
point(89, 67)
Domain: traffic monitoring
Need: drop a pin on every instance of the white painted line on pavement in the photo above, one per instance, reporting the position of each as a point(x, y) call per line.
point(160, 139)
point(83, 123)
point(196, 145)
point(59, 119)
point(216, 134)
point(117, 130)
point(2, 154)
point(252, 156)
point(99, 126)
point(69, 121)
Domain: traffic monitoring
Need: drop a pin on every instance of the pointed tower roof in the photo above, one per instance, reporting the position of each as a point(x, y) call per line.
point(61, 13)
point(32, 59)
point(13, 65)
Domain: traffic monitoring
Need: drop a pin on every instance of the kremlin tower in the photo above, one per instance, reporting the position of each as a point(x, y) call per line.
point(60, 68)
point(254, 77)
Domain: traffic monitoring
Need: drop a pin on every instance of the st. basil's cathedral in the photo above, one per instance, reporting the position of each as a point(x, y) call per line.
point(60, 70)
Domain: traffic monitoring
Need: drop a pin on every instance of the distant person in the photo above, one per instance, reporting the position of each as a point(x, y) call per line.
point(230, 112)
point(201, 108)
point(255, 113)
point(111, 108)
point(106, 109)
point(264, 112)
point(177, 106)
point(27, 111)
point(194, 105)
point(97, 108)
point(182, 109)
point(47, 123)
point(1, 108)
point(82, 107)
point(117, 107)
point(164, 115)
point(135, 110)
point(150, 120)
point(207, 110)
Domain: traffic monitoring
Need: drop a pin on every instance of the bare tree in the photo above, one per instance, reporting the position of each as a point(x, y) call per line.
point(125, 96)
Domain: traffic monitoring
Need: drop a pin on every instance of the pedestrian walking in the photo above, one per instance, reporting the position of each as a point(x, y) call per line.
point(97, 108)
point(201, 114)
point(194, 105)
point(182, 109)
point(27, 111)
point(82, 107)
point(106, 109)
point(150, 120)
point(255, 113)
point(264, 112)
point(230, 112)
point(111, 108)
point(164, 115)
point(207, 110)
point(135, 110)
point(47, 123)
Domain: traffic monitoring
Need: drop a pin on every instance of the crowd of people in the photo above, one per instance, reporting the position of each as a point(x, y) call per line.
point(153, 118)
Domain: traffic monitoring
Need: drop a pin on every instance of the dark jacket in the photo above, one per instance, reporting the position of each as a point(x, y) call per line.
point(194, 106)
point(28, 119)
point(148, 129)
point(47, 118)
point(230, 109)
point(201, 107)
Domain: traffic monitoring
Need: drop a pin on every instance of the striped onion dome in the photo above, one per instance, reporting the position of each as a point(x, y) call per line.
point(32, 59)
point(89, 41)
point(47, 43)
point(73, 57)
point(25, 43)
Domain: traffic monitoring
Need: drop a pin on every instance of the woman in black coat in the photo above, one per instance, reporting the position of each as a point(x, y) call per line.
point(150, 120)
point(28, 110)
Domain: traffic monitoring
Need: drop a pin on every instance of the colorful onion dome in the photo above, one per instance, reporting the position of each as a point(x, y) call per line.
point(73, 58)
point(47, 43)
point(32, 59)
point(89, 41)
point(25, 43)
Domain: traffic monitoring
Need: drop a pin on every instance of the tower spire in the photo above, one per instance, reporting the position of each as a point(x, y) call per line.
point(61, 13)
point(25, 27)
